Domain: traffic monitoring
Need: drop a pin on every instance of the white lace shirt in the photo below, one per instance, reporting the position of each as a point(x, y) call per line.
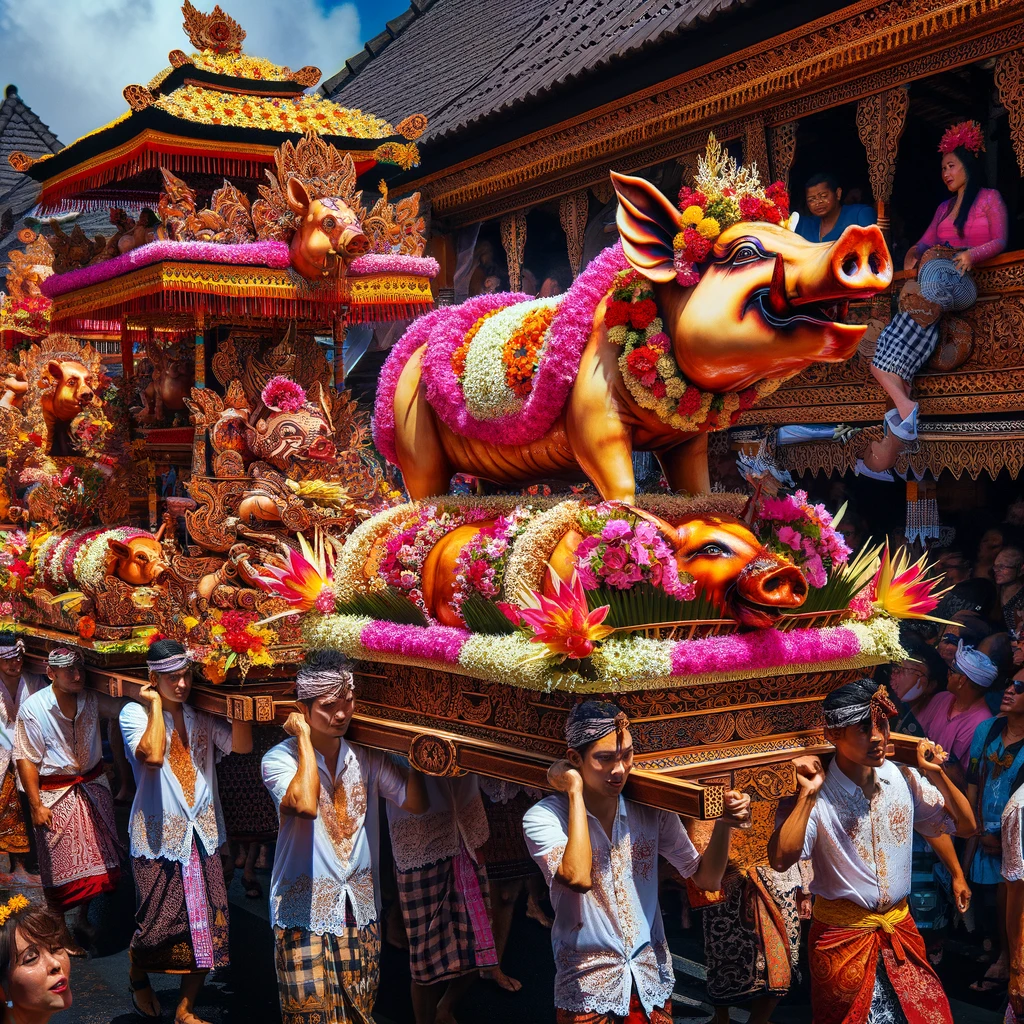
point(326, 863)
point(58, 745)
point(612, 937)
point(1013, 837)
point(861, 849)
point(163, 820)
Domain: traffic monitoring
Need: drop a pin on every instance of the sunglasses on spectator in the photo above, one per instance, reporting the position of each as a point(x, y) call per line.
point(949, 638)
point(1018, 685)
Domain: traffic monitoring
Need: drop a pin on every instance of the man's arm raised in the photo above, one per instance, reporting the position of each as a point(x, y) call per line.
point(578, 859)
point(715, 858)
point(303, 794)
point(787, 841)
point(930, 759)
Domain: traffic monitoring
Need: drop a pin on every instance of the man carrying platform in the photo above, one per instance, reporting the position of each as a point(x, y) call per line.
point(58, 752)
point(599, 853)
point(855, 823)
point(176, 829)
point(324, 905)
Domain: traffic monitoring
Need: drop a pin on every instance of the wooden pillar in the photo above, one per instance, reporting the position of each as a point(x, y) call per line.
point(782, 138)
point(513, 239)
point(127, 357)
point(1009, 79)
point(755, 146)
point(572, 214)
point(880, 122)
point(200, 354)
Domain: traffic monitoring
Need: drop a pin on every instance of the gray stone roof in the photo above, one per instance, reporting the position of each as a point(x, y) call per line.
point(464, 61)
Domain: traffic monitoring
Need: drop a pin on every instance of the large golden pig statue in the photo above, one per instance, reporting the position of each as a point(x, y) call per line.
point(765, 306)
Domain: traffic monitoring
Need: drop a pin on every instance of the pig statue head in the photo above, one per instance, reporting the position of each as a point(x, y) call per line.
point(733, 568)
point(139, 562)
point(72, 391)
point(328, 233)
point(767, 304)
point(286, 438)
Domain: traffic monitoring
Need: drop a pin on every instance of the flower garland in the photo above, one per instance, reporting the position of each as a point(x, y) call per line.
point(625, 663)
point(406, 551)
point(522, 350)
point(458, 357)
point(528, 563)
point(350, 569)
point(621, 551)
point(229, 639)
point(394, 263)
point(651, 372)
point(481, 564)
point(14, 570)
point(804, 534)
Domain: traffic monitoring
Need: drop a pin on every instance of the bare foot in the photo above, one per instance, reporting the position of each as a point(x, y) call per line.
point(536, 912)
point(145, 1001)
point(185, 1016)
point(502, 980)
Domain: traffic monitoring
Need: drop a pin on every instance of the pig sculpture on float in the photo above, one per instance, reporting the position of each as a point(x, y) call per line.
point(757, 305)
point(727, 562)
point(70, 393)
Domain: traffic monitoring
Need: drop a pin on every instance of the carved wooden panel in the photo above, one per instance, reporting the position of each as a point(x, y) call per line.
point(880, 122)
point(755, 146)
point(572, 214)
point(783, 145)
point(513, 239)
point(1009, 79)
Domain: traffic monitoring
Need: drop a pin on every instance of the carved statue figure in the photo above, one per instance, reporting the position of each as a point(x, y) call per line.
point(13, 388)
point(227, 220)
point(171, 381)
point(71, 392)
point(763, 306)
point(727, 561)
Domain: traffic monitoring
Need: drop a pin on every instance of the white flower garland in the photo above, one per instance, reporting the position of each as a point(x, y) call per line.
point(484, 387)
point(529, 559)
point(349, 570)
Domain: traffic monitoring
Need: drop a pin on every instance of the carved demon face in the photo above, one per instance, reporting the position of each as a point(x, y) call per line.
point(284, 438)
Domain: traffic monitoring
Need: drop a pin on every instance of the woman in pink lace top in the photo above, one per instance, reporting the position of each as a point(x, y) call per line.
point(973, 221)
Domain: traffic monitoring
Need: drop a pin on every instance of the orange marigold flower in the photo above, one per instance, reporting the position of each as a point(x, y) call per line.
point(458, 357)
point(522, 350)
point(86, 627)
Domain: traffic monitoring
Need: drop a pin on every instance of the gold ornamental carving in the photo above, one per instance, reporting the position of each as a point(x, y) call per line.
point(880, 122)
point(434, 755)
point(1009, 79)
point(572, 214)
point(782, 139)
point(513, 239)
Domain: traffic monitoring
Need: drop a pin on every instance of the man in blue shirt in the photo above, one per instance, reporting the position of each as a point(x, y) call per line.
point(827, 217)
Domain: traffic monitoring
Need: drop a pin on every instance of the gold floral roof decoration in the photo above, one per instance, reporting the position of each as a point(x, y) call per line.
point(298, 114)
point(214, 31)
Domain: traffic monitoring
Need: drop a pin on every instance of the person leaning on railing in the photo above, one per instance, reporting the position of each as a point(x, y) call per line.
point(968, 228)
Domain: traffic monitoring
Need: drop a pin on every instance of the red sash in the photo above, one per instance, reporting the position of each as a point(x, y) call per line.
point(51, 782)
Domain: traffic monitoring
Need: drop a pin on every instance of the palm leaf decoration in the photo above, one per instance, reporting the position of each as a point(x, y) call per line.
point(390, 604)
point(482, 616)
point(645, 604)
point(845, 582)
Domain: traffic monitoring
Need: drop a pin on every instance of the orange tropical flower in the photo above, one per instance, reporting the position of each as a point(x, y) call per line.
point(307, 579)
point(562, 622)
point(905, 590)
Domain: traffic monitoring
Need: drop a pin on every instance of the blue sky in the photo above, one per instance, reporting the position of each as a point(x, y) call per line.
point(70, 59)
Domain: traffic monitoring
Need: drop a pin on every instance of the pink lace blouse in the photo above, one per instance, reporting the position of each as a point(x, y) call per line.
point(985, 232)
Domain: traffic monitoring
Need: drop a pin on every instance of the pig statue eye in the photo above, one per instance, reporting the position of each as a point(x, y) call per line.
point(712, 551)
point(328, 223)
point(746, 252)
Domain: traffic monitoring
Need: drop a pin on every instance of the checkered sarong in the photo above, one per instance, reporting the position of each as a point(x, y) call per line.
point(904, 346)
point(442, 942)
point(327, 979)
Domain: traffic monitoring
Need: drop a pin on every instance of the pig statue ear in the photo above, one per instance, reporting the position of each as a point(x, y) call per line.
point(119, 548)
point(55, 370)
point(647, 224)
point(298, 197)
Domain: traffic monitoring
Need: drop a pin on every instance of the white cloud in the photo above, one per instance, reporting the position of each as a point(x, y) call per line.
point(70, 59)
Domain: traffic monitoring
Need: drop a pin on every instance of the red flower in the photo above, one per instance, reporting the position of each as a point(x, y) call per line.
point(772, 214)
point(691, 197)
point(36, 439)
point(642, 363)
point(658, 389)
point(689, 403)
point(20, 568)
point(748, 399)
point(616, 313)
point(750, 207)
point(642, 313)
point(697, 246)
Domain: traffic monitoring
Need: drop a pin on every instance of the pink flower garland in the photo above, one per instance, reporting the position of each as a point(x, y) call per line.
point(268, 253)
point(434, 643)
point(394, 263)
point(763, 649)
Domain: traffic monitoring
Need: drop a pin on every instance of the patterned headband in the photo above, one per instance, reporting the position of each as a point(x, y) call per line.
point(172, 663)
point(878, 708)
point(583, 729)
point(62, 657)
point(15, 650)
point(312, 682)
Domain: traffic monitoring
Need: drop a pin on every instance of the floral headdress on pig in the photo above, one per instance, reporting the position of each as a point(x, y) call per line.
point(967, 134)
point(724, 193)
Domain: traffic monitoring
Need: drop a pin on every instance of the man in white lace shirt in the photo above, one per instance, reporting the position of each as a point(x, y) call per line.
point(443, 893)
point(599, 853)
point(324, 906)
point(58, 752)
point(868, 960)
point(176, 829)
